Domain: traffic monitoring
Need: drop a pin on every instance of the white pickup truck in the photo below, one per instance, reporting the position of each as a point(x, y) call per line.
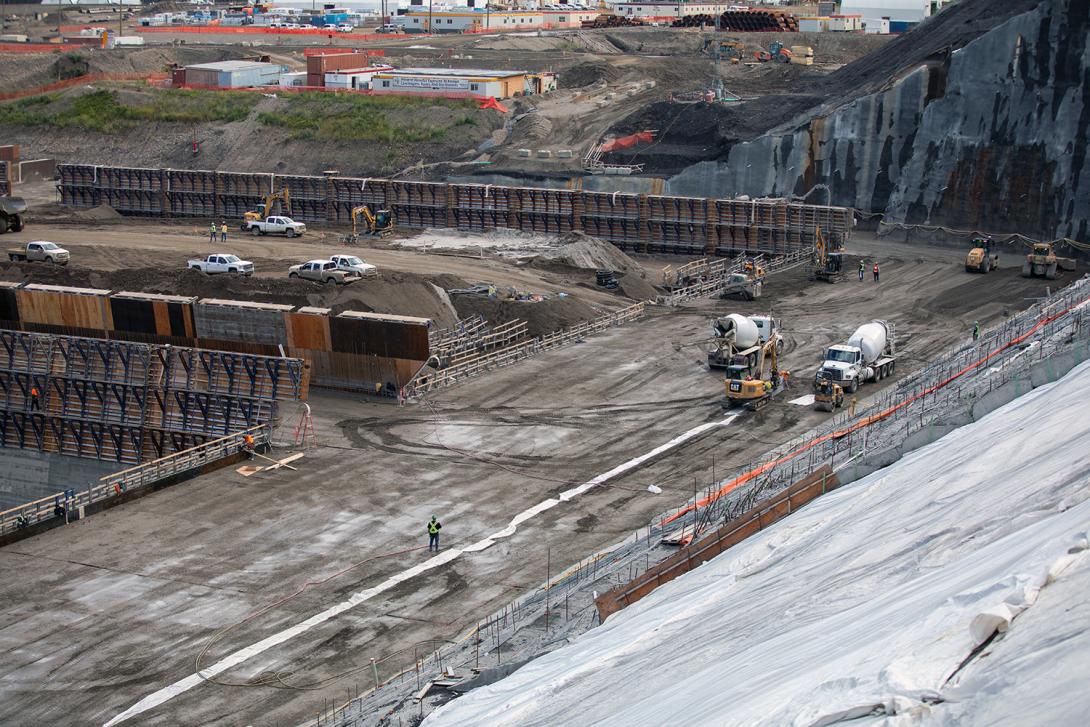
point(39, 251)
point(275, 226)
point(222, 262)
point(351, 263)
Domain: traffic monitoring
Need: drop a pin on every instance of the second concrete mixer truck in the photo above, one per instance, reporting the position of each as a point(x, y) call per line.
point(867, 356)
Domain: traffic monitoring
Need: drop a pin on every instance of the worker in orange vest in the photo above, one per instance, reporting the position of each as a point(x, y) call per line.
point(248, 445)
point(35, 404)
point(876, 271)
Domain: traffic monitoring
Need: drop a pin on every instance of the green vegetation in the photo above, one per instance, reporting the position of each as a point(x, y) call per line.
point(350, 117)
point(106, 112)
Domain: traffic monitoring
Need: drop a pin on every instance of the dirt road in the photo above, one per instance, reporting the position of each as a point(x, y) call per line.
point(116, 607)
point(146, 244)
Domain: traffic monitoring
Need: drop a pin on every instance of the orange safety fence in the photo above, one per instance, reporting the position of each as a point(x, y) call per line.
point(867, 421)
point(626, 142)
point(80, 80)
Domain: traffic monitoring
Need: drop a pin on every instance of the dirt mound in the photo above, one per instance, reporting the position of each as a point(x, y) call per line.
point(102, 213)
point(531, 127)
point(588, 74)
point(542, 317)
point(579, 250)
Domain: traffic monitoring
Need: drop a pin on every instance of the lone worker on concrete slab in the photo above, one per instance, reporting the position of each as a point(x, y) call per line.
point(434, 526)
point(976, 330)
point(876, 271)
point(862, 268)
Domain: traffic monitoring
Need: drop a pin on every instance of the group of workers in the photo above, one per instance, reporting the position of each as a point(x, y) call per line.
point(221, 230)
point(863, 269)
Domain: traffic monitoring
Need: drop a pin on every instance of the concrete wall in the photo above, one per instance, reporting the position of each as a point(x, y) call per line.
point(991, 137)
point(27, 475)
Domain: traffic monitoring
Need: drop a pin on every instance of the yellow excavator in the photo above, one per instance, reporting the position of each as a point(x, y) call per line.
point(378, 224)
point(826, 264)
point(283, 197)
point(747, 383)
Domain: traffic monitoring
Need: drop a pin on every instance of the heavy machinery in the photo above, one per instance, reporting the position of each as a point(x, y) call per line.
point(742, 286)
point(828, 396)
point(867, 356)
point(825, 263)
point(776, 52)
point(12, 210)
point(724, 49)
point(749, 385)
point(981, 259)
point(740, 338)
point(1041, 262)
point(378, 224)
point(283, 198)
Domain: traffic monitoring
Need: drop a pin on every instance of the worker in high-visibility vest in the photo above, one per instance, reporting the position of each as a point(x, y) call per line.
point(35, 399)
point(434, 526)
point(248, 445)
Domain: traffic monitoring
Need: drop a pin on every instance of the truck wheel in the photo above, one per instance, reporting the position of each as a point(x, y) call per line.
point(986, 265)
point(854, 386)
point(256, 231)
point(232, 271)
point(51, 260)
point(293, 275)
point(330, 280)
point(290, 233)
point(1027, 270)
point(17, 224)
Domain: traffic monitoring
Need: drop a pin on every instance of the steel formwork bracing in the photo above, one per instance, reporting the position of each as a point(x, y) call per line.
point(636, 222)
point(130, 402)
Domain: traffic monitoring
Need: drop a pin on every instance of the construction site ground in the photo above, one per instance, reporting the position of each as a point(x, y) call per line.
point(101, 613)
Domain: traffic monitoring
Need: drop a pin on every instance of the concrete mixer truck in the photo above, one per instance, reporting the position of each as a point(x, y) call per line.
point(867, 355)
point(739, 339)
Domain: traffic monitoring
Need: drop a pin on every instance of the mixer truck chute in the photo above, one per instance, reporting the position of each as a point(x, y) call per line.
point(867, 355)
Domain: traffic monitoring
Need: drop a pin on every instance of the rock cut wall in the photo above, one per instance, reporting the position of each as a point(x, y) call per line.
point(991, 136)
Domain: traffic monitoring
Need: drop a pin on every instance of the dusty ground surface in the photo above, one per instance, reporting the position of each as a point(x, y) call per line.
point(97, 615)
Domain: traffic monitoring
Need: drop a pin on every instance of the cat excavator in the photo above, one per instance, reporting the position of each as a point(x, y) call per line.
point(283, 197)
point(378, 224)
point(748, 384)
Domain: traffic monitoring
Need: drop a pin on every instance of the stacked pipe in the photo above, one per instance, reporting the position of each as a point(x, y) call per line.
point(744, 21)
point(606, 20)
